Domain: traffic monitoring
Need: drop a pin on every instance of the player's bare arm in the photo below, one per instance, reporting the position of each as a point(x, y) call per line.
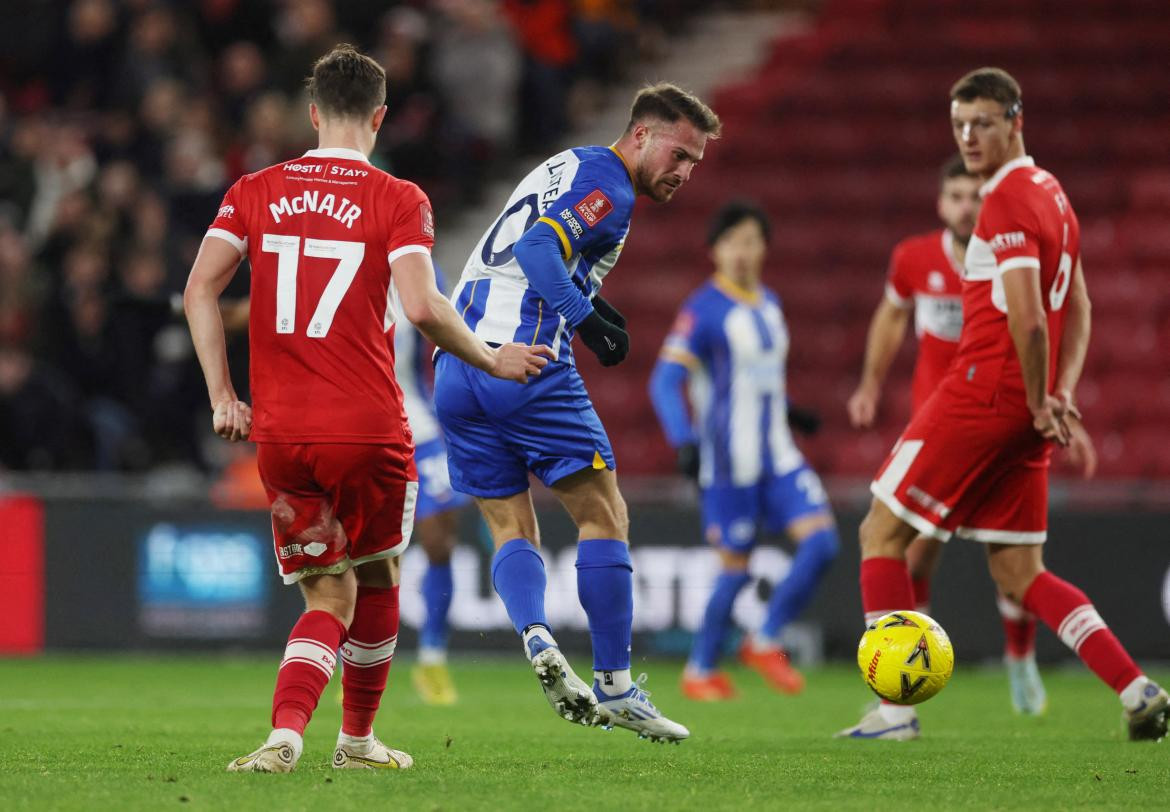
point(887, 330)
point(214, 267)
point(435, 318)
point(1028, 325)
point(1074, 344)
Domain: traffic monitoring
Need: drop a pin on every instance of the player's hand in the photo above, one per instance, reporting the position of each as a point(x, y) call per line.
point(1081, 451)
point(232, 420)
point(688, 460)
point(610, 343)
point(609, 312)
point(520, 362)
point(862, 407)
point(805, 421)
point(1049, 421)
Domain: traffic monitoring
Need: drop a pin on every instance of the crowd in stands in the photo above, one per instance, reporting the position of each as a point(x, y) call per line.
point(122, 123)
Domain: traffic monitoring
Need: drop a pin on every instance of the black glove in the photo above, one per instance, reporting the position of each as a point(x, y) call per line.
point(609, 342)
point(609, 312)
point(805, 421)
point(688, 460)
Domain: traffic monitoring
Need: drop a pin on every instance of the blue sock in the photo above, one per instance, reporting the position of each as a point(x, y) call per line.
point(519, 579)
point(813, 557)
point(437, 587)
point(708, 643)
point(605, 586)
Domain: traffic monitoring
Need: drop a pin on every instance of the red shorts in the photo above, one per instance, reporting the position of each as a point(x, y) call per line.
point(336, 505)
point(969, 468)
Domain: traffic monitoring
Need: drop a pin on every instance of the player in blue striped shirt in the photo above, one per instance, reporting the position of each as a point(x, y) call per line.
point(730, 345)
point(534, 278)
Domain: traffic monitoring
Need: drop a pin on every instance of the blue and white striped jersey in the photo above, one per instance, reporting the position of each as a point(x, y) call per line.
point(735, 347)
point(586, 195)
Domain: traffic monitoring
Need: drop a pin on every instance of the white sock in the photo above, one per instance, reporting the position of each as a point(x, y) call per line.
point(538, 631)
point(760, 642)
point(896, 714)
point(284, 734)
point(432, 656)
point(359, 744)
point(1132, 694)
point(614, 683)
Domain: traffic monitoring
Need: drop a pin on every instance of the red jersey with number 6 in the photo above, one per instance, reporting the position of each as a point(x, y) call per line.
point(1026, 221)
point(320, 232)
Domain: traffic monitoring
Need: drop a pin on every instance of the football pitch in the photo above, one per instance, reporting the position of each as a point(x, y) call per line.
point(131, 733)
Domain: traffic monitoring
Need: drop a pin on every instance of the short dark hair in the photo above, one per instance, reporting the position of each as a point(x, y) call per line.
point(953, 168)
point(990, 83)
point(669, 103)
point(347, 83)
point(734, 212)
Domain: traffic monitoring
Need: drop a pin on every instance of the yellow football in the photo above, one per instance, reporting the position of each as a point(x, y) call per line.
point(905, 657)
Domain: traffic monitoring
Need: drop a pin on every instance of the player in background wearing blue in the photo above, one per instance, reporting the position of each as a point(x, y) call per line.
point(730, 345)
point(436, 514)
point(534, 278)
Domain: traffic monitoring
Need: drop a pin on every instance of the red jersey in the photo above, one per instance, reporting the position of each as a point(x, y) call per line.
point(1025, 221)
point(925, 275)
point(320, 232)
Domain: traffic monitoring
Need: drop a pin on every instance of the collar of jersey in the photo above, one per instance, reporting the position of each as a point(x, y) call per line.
point(337, 152)
point(1004, 171)
point(622, 158)
point(948, 247)
point(734, 291)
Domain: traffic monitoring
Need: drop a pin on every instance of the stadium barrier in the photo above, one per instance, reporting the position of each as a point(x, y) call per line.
point(132, 574)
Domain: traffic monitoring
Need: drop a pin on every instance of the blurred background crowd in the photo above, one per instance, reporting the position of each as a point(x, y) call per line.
point(122, 123)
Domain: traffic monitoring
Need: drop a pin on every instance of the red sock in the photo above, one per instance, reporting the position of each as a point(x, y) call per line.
point(1019, 628)
point(367, 655)
point(309, 660)
point(921, 587)
point(885, 587)
point(1067, 611)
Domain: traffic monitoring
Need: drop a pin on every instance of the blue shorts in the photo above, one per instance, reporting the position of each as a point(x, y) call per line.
point(734, 516)
point(435, 494)
point(497, 431)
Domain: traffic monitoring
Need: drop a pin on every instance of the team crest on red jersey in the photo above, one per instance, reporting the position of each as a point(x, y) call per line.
point(428, 220)
point(594, 208)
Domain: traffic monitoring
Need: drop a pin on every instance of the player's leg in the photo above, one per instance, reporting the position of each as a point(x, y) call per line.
point(797, 503)
point(437, 535)
point(605, 587)
point(1026, 687)
point(729, 516)
point(1019, 572)
point(368, 653)
point(311, 550)
point(885, 588)
point(519, 578)
point(922, 559)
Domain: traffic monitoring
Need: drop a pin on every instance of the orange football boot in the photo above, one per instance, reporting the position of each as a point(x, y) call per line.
point(774, 665)
point(714, 687)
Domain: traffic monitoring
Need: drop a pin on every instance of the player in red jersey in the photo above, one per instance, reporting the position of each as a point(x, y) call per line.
point(974, 459)
point(925, 276)
point(324, 234)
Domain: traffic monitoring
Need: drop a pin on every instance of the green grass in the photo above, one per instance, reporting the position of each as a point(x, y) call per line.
point(144, 733)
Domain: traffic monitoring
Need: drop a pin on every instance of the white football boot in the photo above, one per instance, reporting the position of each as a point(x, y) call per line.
point(374, 756)
point(1149, 720)
point(1028, 694)
point(278, 757)
point(634, 711)
point(874, 725)
point(568, 695)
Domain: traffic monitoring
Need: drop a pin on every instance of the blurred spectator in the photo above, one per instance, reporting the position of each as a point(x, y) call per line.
point(550, 52)
point(478, 73)
point(40, 428)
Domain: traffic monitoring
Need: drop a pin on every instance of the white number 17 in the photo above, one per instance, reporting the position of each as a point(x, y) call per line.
point(288, 254)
